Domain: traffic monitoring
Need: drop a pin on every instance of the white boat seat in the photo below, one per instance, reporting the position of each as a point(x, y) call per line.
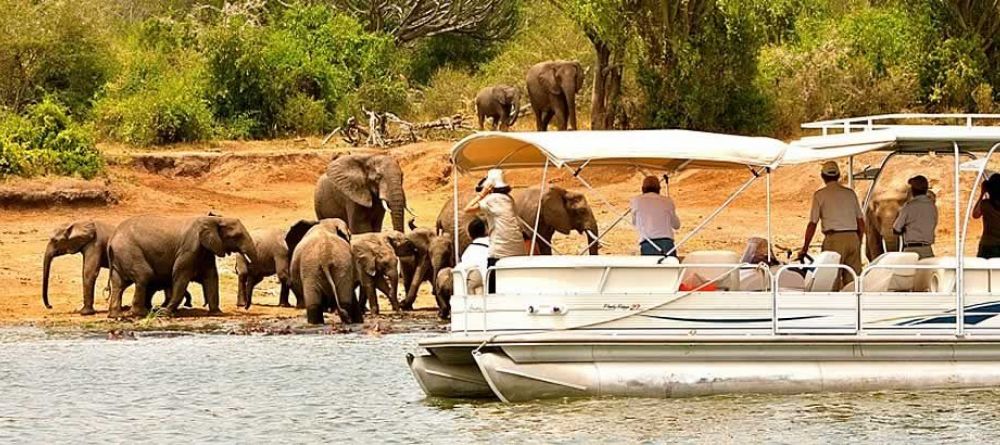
point(730, 281)
point(566, 274)
point(890, 280)
point(823, 279)
point(942, 280)
point(753, 280)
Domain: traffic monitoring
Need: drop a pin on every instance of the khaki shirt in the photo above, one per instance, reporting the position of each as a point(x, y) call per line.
point(917, 220)
point(505, 234)
point(837, 207)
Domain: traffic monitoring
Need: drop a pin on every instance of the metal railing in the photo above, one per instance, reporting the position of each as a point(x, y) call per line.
point(882, 121)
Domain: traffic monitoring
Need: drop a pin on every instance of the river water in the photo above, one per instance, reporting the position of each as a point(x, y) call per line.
point(357, 389)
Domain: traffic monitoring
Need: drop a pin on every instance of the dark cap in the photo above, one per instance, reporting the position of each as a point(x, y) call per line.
point(919, 184)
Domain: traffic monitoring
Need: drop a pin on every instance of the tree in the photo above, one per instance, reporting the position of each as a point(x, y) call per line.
point(977, 17)
point(409, 20)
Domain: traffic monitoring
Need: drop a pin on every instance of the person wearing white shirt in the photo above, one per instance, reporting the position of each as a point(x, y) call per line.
point(655, 217)
point(476, 255)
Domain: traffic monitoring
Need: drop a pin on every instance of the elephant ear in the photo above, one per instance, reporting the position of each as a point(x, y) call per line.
point(555, 210)
point(296, 233)
point(579, 210)
point(349, 175)
point(209, 237)
point(81, 232)
point(548, 80)
point(365, 257)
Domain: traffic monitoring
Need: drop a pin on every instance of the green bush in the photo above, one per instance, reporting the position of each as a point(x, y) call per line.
point(158, 96)
point(46, 141)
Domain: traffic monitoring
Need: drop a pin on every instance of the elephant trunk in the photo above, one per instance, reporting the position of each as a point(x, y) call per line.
point(591, 231)
point(248, 249)
point(396, 202)
point(50, 253)
point(515, 109)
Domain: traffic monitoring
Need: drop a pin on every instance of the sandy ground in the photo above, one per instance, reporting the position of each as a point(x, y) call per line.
point(268, 184)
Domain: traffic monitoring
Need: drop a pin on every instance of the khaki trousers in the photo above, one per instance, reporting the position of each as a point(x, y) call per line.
point(848, 245)
point(923, 251)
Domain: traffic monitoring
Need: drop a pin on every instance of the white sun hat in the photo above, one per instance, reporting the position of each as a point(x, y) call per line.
point(494, 178)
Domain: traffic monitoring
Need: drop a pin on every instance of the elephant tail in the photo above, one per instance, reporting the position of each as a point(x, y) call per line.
point(111, 271)
point(333, 286)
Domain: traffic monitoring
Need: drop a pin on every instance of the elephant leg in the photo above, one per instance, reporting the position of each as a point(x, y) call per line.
point(118, 285)
point(347, 300)
point(142, 292)
point(368, 285)
point(389, 285)
point(546, 119)
point(91, 269)
point(504, 118)
point(283, 296)
point(210, 287)
point(313, 304)
point(561, 114)
point(241, 290)
point(482, 120)
point(418, 277)
point(187, 299)
point(178, 287)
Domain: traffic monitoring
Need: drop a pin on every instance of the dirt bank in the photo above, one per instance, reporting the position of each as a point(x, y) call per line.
point(271, 184)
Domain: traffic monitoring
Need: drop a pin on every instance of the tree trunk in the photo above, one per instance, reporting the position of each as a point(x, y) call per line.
point(598, 106)
point(615, 112)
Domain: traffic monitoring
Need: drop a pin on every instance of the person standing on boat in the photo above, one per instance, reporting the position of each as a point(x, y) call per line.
point(655, 217)
point(843, 224)
point(988, 208)
point(917, 220)
point(496, 204)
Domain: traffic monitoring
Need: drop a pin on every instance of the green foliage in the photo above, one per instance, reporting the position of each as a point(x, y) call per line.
point(158, 95)
point(54, 48)
point(46, 141)
point(455, 52)
point(953, 70)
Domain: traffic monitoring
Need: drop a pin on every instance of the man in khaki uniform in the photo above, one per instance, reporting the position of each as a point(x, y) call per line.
point(843, 224)
point(917, 220)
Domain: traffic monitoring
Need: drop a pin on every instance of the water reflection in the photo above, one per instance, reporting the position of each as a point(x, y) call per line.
point(356, 389)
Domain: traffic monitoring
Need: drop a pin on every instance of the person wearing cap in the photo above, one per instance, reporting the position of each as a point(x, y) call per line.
point(917, 220)
point(655, 217)
point(837, 208)
point(497, 206)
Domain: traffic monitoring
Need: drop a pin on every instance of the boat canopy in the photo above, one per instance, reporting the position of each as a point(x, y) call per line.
point(668, 150)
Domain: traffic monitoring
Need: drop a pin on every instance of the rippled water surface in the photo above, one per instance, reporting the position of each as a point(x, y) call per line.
point(356, 389)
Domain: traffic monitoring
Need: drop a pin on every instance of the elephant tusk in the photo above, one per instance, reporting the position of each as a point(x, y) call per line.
point(385, 205)
point(410, 212)
point(592, 234)
point(246, 258)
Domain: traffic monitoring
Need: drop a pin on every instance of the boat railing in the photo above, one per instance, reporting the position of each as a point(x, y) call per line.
point(882, 121)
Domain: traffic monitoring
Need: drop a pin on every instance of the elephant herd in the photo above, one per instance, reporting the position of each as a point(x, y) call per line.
point(552, 89)
point(337, 263)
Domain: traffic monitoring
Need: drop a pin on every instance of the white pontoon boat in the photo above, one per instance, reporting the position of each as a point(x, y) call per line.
point(580, 326)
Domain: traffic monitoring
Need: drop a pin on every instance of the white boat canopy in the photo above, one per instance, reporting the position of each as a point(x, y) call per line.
point(656, 149)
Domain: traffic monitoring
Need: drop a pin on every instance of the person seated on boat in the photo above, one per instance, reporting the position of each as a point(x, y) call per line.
point(917, 220)
point(988, 208)
point(476, 254)
point(837, 207)
point(655, 217)
point(496, 204)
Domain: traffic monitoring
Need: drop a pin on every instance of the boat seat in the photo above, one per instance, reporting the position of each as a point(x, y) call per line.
point(730, 281)
point(573, 274)
point(823, 279)
point(977, 281)
point(890, 280)
point(753, 280)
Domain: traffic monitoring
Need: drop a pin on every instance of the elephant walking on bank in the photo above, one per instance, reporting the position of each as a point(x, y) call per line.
point(359, 189)
point(552, 90)
point(500, 103)
point(272, 259)
point(376, 256)
point(151, 250)
point(322, 271)
point(879, 218)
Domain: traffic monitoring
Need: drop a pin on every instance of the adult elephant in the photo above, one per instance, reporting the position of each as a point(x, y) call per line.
point(552, 89)
point(432, 252)
point(322, 269)
point(146, 250)
point(358, 189)
point(500, 103)
point(563, 211)
point(879, 218)
point(272, 259)
point(376, 257)
point(87, 237)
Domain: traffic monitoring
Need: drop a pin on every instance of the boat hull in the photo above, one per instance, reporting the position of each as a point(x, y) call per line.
point(526, 369)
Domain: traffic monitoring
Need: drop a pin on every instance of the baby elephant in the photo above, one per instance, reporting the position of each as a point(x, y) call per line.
point(272, 259)
point(376, 256)
point(445, 290)
point(322, 271)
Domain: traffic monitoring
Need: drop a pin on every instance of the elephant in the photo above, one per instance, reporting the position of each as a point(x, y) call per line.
point(322, 271)
point(432, 252)
point(562, 211)
point(272, 259)
point(879, 218)
point(151, 250)
point(445, 289)
point(376, 256)
point(86, 237)
point(552, 89)
point(359, 189)
point(501, 103)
